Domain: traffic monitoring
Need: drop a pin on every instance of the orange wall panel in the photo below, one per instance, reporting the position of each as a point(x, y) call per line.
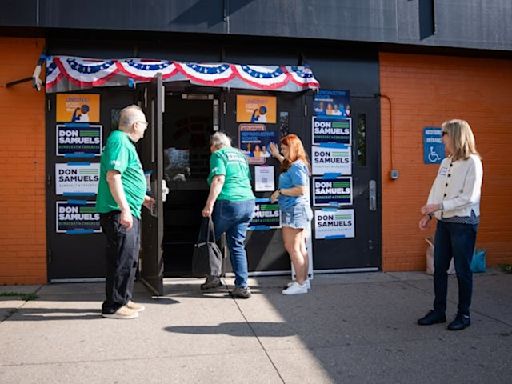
point(22, 166)
point(426, 90)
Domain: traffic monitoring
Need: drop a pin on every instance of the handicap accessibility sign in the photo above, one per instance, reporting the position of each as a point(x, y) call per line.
point(433, 147)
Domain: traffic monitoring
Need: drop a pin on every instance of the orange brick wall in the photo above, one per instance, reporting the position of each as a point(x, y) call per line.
point(425, 91)
point(22, 166)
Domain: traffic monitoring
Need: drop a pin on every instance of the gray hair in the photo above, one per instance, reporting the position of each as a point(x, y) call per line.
point(129, 115)
point(219, 140)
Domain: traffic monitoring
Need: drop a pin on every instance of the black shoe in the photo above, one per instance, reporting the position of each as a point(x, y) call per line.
point(459, 323)
point(211, 282)
point(432, 317)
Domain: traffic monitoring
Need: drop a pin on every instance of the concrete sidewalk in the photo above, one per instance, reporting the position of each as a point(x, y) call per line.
point(352, 328)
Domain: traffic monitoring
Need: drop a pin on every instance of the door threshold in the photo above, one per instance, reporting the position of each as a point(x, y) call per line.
point(79, 280)
point(345, 270)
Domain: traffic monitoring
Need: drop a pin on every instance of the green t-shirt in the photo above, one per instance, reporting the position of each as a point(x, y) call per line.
point(120, 155)
point(231, 163)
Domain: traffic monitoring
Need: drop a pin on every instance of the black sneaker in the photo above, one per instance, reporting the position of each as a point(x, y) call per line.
point(432, 317)
point(459, 323)
point(211, 282)
point(241, 292)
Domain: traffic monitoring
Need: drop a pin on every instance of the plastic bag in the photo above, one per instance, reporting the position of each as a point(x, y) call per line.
point(478, 261)
point(429, 258)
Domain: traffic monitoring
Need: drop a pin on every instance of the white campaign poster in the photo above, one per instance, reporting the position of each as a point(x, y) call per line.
point(77, 178)
point(263, 178)
point(334, 224)
point(331, 160)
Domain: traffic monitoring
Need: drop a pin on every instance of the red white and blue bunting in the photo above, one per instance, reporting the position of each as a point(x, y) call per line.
point(65, 73)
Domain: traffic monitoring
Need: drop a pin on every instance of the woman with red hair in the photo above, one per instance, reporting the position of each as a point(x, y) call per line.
point(293, 198)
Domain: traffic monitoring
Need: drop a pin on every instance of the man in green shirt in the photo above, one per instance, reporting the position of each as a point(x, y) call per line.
point(231, 205)
point(121, 194)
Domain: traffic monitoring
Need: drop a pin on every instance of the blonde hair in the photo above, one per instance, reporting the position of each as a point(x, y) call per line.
point(462, 138)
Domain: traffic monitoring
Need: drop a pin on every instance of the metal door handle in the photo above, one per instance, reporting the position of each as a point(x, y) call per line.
point(165, 190)
point(373, 195)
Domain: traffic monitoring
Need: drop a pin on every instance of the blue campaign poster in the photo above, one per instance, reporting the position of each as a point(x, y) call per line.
point(433, 147)
point(333, 191)
point(254, 141)
point(332, 103)
point(332, 131)
point(266, 215)
point(80, 140)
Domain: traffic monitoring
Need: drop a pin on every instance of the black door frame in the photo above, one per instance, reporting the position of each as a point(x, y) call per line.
point(151, 100)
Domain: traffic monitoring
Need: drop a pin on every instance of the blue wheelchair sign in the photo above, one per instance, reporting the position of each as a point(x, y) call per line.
point(433, 147)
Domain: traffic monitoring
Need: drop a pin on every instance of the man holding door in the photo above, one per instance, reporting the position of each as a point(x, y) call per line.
point(121, 194)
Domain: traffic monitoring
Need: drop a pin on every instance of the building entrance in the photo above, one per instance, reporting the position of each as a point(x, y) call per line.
point(188, 122)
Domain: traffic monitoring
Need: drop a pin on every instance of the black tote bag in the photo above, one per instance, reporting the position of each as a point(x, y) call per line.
point(207, 257)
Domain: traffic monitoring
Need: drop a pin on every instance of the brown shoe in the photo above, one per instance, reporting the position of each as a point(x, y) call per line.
point(135, 307)
point(241, 292)
point(122, 313)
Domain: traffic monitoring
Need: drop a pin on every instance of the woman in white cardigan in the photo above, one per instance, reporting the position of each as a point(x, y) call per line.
point(454, 200)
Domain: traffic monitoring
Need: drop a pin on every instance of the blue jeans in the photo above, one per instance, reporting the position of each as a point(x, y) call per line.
point(233, 217)
point(455, 240)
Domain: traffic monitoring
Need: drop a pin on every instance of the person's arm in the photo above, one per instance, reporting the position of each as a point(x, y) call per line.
point(470, 191)
point(274, 151)
point(298, 190)
point(294, 191)
point(432, 206)
point(215, 189)
point(300, 182)
point(148, 202)
point(117, 191)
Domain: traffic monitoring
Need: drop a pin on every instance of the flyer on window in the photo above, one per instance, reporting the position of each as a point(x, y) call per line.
point(79, 140)
point(266, 215)
point(331, 160)
point(334, 224)
point(78, 108)
point(254, 142)
point(76, 178)
point(77, 217)
point(332, 103)
point(256, 109)
point(332, 191)
point(263, 178)
point(332, 132)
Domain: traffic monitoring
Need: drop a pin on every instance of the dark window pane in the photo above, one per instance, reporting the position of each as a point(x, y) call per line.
point(361, 139)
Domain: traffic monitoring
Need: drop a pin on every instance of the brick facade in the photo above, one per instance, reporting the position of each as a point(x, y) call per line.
point(426, 90)
point(22, 166)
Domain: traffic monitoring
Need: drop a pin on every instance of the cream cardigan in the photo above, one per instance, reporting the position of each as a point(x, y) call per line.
point(457, 187)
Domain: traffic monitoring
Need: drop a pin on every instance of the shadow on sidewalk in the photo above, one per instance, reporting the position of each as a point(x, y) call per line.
point(238, 329)
point(49, 314)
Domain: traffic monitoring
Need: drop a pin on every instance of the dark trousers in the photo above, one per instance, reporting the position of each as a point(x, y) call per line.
point(458, 241)
point(122, 254)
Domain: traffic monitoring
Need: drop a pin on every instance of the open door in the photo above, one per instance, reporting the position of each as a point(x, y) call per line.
point(151, 100)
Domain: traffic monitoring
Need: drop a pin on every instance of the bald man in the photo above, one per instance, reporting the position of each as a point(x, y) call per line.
point(121, 195)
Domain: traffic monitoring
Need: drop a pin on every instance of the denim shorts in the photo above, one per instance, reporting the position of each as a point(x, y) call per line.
point(297, 217)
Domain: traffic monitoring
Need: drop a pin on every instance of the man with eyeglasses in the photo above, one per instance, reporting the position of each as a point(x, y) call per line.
point(121, 194)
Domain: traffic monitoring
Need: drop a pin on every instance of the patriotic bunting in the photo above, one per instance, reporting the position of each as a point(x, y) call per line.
point(65, 73)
